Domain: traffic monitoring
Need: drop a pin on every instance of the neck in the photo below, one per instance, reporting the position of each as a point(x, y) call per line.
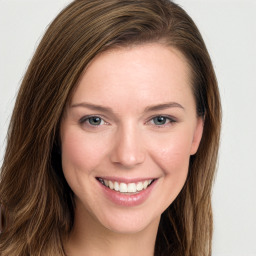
point(89, 237)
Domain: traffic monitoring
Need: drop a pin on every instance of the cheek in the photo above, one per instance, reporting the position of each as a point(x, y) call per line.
point(79, 152)
point(173, 154)
point(173, 159)
point(80, 157)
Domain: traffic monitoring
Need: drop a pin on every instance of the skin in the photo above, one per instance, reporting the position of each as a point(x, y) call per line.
point(128, 143)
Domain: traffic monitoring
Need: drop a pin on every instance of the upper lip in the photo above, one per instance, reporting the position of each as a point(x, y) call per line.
point(126, 180)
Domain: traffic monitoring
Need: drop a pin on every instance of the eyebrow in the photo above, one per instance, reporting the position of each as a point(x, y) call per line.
point(163, 106)
point(93, 107)
point(109, 110)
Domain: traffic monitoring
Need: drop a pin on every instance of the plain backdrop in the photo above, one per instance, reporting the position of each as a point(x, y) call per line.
point(229, 30)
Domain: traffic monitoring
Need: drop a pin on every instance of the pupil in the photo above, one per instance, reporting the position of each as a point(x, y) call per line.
point(160, 120)
point(95, 120)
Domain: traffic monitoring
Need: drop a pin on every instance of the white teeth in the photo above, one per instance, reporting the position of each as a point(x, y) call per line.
point(126, 188)
point(145, 184)
point(116, 186)
point(139, 186)
point(123, 188)
point(111, 185)
point(131, 188)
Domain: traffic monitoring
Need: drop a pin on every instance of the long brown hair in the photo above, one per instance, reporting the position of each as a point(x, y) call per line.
point(39, 205)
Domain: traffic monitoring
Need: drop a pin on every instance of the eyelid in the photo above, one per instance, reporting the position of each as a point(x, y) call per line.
point(170, 118)
point(85, 118)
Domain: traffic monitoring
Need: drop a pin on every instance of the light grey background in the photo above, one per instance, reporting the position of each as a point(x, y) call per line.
point(229, 30)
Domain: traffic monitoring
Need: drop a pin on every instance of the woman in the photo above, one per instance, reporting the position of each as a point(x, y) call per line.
point(114, 137)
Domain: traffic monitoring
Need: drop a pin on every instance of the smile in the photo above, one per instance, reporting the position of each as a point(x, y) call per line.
point(126, 187)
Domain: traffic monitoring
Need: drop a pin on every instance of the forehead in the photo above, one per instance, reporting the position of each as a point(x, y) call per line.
point(139, 72)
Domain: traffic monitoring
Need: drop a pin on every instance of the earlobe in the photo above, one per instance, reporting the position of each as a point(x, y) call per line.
point(197, 135)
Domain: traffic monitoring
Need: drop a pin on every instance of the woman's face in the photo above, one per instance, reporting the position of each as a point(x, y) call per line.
point(128, 134)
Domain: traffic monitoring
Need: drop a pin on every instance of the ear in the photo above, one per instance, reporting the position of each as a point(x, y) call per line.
point(198, 132)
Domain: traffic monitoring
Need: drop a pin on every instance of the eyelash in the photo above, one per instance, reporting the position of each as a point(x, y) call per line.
point(86, 119)
point(168, 121)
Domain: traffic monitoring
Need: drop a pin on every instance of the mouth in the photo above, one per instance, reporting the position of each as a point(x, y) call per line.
point(126, 188)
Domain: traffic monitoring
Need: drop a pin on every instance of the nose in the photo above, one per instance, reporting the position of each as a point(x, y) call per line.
point(128, 150)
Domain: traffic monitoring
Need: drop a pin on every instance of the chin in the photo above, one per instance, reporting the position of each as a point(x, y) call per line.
point(129, 222)
point(127, 228)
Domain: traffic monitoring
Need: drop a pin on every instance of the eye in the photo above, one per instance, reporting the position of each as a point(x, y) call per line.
point(161, 120)
point(92, 120)
point(95, 120)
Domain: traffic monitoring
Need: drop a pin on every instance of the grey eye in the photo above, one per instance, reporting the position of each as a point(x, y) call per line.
point(94, 120)
point(160, 120)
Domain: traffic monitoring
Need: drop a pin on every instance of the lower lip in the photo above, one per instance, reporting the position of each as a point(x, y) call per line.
point(128, 200)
